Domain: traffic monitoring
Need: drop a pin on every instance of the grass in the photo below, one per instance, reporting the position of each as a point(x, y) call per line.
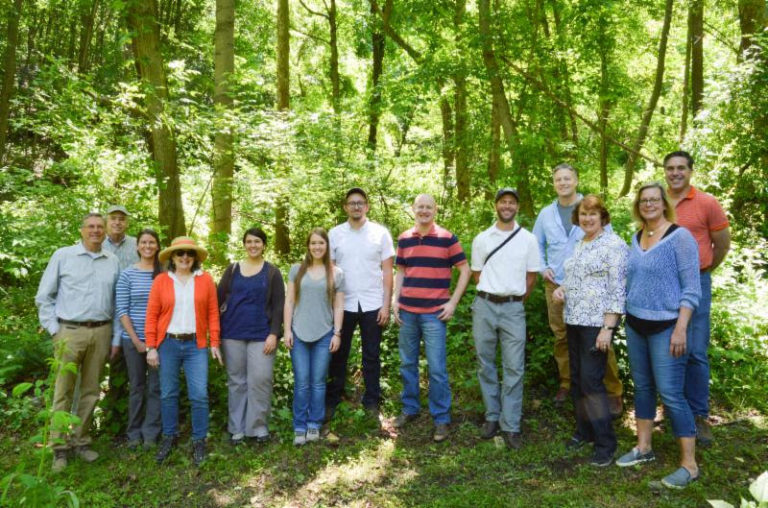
point(372, 466)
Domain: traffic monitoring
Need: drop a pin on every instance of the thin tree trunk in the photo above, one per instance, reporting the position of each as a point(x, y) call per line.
point(282, 237)
point(629, 168)
point(494, 155)
point(149, 62)
point(223, 146)
point(500, 99)
point(378, 41)
point(604, 112)
point(449, 155)
point(9, 73)
point(335, 85)
point(87, 18)
point(752, 21)
point(696, 20)
point(686, 82)
point(463, 176)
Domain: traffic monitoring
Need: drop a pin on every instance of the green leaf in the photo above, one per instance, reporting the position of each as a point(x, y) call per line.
point(20, 388)
point(719, 503)
point(759, 488)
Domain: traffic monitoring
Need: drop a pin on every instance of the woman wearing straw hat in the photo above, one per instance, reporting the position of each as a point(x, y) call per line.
point(182, 316)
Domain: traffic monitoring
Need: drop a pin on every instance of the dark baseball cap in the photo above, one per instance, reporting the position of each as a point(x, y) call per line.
point(356, 190)
point(507, 190)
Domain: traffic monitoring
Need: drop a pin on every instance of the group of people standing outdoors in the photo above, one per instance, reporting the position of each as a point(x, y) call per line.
point(168, 315)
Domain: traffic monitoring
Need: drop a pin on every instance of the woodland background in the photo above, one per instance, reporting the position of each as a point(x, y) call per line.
point(207, 117)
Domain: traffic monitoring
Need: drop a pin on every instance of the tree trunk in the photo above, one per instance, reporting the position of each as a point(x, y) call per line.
point(752, 20)
point(378, 40)
point(463, 177)
point(696, 20)
point(141, 17)
point(494, 155)
point(224, 155)
point(642, 132)
point(686, 82)
point(448, 136)
point(87, 18)
point(500, 99)
point(9, 72)
point(335, 85)
point(604, 112)
point(282, 237)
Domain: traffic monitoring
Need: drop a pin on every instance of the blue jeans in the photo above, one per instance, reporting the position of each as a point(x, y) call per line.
point(653, 368)
point(432, 330)
point(697, 373)
point(174, 355)
point(310, 372)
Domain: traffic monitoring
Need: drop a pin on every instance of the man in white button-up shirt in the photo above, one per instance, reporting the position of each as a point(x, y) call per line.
point(505, 263)
point(364, 251)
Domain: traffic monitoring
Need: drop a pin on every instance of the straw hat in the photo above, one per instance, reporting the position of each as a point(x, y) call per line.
point(183, 243)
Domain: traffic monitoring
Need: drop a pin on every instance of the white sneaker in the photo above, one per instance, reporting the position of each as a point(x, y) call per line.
point(313, 435)
point(299, 438)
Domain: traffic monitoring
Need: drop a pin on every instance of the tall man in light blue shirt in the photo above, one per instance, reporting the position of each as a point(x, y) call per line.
point(75, 302)
point(557, 236)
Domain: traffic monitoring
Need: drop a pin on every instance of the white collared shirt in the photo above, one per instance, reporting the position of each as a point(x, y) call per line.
point(183, 318)
point(359, 253)
point(505, 273)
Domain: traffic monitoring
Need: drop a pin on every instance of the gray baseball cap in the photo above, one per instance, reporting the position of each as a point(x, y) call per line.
point(507, 190)
point(118, 208)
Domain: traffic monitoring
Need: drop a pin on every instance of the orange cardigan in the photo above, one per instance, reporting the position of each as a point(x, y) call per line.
point(162, 299)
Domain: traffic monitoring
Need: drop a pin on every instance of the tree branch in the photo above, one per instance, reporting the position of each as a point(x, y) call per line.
point(316, 13)
point(313, 37)
point(412, 52)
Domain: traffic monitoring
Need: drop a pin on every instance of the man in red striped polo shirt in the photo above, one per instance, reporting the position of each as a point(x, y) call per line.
point(702, 215)
point(426, 255)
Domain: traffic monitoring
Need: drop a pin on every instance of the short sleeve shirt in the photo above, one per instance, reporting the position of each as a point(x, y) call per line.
point(701, 214)
point(505, 273)
point(313, 314)
point(359, 253)
point(427, 262)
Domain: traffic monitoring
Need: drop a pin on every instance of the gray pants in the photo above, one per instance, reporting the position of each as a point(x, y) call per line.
point(144, 396)
point(249, 379)
point(503, 324)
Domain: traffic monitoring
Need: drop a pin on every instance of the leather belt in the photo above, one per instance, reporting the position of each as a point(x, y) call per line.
point(182, 336)
point(499, 299)
point(86, 324)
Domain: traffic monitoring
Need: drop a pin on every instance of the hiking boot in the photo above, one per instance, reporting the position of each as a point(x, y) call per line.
point(441, 432)
point(313, 435)
point(59, 461)
point(490, 429)
point(404, 419)
point(513, 440)
point(198, 451)
point(86, 453)
point(704, 431)
point(166, 445)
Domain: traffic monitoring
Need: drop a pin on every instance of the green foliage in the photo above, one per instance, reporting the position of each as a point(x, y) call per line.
point(759, 491)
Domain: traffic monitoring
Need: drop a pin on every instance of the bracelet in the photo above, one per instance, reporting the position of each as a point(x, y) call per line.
point(606, 327)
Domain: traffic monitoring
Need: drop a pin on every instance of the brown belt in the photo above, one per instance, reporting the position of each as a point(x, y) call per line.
point(182, 336)
point(499, 299)
point(86, 324)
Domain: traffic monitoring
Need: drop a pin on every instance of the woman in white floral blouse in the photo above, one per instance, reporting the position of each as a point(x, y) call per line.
point(595, 293)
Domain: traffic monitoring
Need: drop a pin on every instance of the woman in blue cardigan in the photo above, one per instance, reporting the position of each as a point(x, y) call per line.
point(663, 289)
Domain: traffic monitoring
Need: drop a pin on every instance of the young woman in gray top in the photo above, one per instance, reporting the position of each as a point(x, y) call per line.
point(314, 309)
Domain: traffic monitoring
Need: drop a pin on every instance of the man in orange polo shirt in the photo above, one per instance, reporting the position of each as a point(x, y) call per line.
point(703, 216)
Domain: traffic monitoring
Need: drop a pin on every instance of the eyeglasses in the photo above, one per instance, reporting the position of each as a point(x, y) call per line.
point(356, 204)
point(650, 201)
point(189, 253)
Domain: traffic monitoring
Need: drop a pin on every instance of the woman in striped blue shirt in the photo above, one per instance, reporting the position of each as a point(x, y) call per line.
point(131, 307)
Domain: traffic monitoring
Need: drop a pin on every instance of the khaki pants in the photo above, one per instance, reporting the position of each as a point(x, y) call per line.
point(87, 349)
point(557, 324)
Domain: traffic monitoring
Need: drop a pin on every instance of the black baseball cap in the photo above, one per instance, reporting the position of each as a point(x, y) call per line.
point(507, 190)
point(356, 190)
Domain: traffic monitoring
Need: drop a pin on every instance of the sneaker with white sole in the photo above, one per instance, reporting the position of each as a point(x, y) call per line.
point(313, 435)
point(299, 438)
point(635, 456)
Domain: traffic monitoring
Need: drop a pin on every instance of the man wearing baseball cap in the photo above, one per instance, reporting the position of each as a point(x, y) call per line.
point(505, 262)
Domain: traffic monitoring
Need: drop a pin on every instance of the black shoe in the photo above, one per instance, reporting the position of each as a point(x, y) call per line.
point(490, 429)
point(601, 461)
point(166, 445)
point(513, 440)
point(198, 451)
point(575, 443)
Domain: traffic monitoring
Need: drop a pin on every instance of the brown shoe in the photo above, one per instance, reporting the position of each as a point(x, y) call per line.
point(615, 406)
point(513, 440)
point(561, 396)
point(441, 432)
point(59, 461)
point(704, 431)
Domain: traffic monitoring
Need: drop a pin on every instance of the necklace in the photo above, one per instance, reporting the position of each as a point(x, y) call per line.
point(653, 231)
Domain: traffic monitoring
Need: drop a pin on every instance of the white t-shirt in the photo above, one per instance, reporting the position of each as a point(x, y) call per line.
point(359, 253)
point(183, 317)
point(505, 273)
